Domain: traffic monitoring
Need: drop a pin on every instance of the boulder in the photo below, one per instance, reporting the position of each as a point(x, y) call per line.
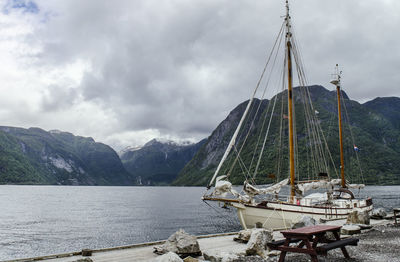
point(273, 253)
point(169, 257)
point(86, 252)
point(352, 218)
point(243, 236)
point(304, 221)
point(252, 259)
point(257, 244)
point(358, 217)
point(180, 243)
point(330, 236)
point(350, 230)
point(190, 259)
point(220, 256)
point(83, 260)
point(363, 226)
point(363, 217)
point(378, 213)
point(258, 225)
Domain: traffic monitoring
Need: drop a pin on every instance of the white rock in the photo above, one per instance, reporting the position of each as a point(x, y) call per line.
point(191, 259)
point(83, 260)
point(378, 213)
point(60, 163)
point(273, 253)
point(243, 236)
point(350, 230)
point(363, 217)
point(364, 226)
point(358, 217)
point(257, 244)
point(254, 259)
point(180, 243)
point(304, 221)
point(220, 256)
point(169, 257)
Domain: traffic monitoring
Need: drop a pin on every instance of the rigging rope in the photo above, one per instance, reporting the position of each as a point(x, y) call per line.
point(352, 137)
point(265, 139)
point(263, 124)
point(315, 143)
point(229, 218)
point(311, 121)
point(281, 126)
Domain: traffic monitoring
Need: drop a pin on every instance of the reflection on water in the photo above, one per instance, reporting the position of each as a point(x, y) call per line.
point(41, 220)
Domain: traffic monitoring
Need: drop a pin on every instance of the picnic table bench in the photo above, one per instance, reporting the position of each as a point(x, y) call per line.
point(396, 211)
point(310, 238)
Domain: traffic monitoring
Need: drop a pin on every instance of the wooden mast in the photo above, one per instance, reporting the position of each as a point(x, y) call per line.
point(336, 82)
point(290, 103)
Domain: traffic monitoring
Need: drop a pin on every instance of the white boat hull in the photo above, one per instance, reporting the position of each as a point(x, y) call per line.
point(276, 215)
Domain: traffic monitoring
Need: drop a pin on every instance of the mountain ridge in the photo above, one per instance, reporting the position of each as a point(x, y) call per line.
point(158, 162)
point(36, 156)
point(372, 125)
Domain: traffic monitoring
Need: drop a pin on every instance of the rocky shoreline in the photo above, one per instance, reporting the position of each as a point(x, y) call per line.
point(379, 241)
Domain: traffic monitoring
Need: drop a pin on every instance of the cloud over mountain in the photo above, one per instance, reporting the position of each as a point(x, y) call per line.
point(127, 71)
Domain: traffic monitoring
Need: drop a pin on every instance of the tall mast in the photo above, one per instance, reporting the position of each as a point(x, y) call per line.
point(290, 102)
point(336, 82)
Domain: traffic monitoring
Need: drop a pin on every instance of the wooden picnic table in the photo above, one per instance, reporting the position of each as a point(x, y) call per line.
point(396, 211)
point(309, 238)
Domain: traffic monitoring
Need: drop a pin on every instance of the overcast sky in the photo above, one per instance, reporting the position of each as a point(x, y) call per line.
point(124, 72)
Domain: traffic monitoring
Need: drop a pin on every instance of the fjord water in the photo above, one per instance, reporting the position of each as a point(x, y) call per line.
point(42, 220)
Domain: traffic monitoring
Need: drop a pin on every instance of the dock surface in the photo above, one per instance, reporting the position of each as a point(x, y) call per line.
point(372, 245)
point(144, 252)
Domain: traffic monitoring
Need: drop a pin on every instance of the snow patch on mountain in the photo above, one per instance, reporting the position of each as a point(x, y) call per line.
point(169, 142)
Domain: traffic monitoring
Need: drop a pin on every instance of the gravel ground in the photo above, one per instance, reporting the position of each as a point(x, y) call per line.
point(381, 243)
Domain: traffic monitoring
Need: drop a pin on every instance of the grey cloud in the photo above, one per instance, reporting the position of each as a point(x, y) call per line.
point(149, 74)
point(58, 98)
point(181, 66)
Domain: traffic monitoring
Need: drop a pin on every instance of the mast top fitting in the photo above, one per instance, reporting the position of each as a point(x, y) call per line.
point(336, 76)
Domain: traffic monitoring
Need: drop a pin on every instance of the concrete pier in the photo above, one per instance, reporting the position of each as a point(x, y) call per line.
point(141, 252)
point(373, 244)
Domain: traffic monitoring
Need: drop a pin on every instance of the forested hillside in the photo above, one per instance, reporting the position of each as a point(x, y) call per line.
point(373, 127)
point(35, 156)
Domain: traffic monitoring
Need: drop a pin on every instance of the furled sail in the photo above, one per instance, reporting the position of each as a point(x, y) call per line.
point(223, 187)
point(318, 184)
point(274, 189)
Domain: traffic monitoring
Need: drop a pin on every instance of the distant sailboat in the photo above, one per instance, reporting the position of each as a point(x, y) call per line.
point(264, 205)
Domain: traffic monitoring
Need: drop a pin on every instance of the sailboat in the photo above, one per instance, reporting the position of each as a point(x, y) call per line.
point(264, 205)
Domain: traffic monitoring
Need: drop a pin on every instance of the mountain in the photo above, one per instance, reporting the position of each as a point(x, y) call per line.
point(158, 162)
point(36, 156)
point(388, 107)
point(373, 126)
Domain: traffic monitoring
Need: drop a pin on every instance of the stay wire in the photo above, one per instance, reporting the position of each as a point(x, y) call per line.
point(224, 216)
point(352, 137)
point(258, 84)
point(314, 127)
point(263, 124)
